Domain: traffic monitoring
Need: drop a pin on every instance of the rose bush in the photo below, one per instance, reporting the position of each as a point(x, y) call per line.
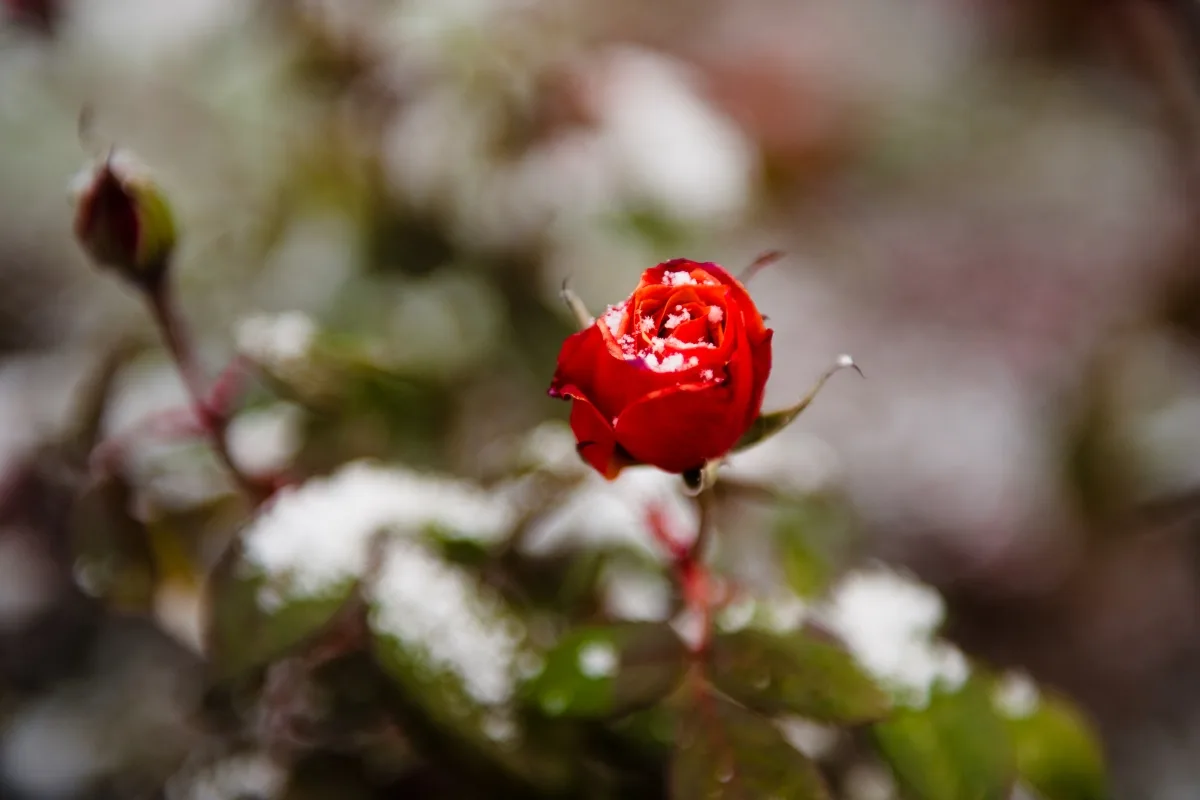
point(672, 376)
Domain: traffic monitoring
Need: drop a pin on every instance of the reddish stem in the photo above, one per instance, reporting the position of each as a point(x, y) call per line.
point(214, 419)
point(688, 568)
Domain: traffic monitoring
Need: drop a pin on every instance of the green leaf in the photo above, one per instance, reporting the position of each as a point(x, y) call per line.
point(811, 534)
point(602, 672)
point(796, 673)
point(726, 751)
point(253, 621)
point(1057, 754)
point(956, 748)
point(767, 425)
point(452, 649)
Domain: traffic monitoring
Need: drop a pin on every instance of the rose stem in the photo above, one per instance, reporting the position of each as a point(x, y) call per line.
point(697, 588)
point(214, 420)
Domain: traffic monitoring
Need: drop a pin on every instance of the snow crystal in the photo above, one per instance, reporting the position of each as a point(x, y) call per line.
point(680, 316)
point(681, 278)
point(597, 660)
point(707, 374)
point(671, 363)
point(715, 314)
point(276, 339)
point(647, 324)
point(1016, 695)
point(889, 621)
point(613, 317)
point(317, 535)
point(439, 612)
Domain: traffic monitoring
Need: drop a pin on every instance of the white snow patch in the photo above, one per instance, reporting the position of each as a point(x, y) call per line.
point(439, 612)
point(1016, 695)
point(813, 740)
point(598, 660)
point(266, 440)
point(276, 339)
point(316, 536)
point(889, 622)
point(614, 318)
point(680, 278)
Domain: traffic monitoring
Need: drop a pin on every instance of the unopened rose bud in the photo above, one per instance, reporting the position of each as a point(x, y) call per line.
point(122, 220)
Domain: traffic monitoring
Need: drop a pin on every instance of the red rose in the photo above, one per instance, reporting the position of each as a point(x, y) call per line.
point(671, 377)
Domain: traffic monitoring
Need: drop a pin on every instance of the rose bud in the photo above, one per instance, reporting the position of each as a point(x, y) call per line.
point(122, 220)
point(672, 377)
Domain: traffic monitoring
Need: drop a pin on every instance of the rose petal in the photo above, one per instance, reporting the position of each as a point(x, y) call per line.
point(753, 319)
point(680, 428)
point(761, 354)
point(609, 382)
point(595, 440)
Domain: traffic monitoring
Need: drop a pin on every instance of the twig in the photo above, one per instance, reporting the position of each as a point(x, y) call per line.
point(214, 419)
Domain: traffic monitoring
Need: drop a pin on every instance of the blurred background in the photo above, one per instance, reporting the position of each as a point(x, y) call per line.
point(991, 205)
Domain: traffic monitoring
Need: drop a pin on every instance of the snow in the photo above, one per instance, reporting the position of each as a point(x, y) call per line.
point(1016, 695)
point(439, 612)
point(813, 740)
point(276, 339)
point(614, 318)
point(681, 278)
point(889, 622)
point(676, 319)
point(598, 660)
point(264, 441)
point(314, 537)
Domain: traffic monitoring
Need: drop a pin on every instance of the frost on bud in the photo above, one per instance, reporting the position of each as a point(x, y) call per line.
point(122, 220)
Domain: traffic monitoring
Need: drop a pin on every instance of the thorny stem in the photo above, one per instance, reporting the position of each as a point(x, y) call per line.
point(214, 419)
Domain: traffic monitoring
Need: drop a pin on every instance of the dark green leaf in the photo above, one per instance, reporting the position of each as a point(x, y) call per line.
point(724, 751)
point(1057, 755)
point(608, 671)
point(252, 623)
point(957, 748)
point(434, 689)
point(797, 673)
